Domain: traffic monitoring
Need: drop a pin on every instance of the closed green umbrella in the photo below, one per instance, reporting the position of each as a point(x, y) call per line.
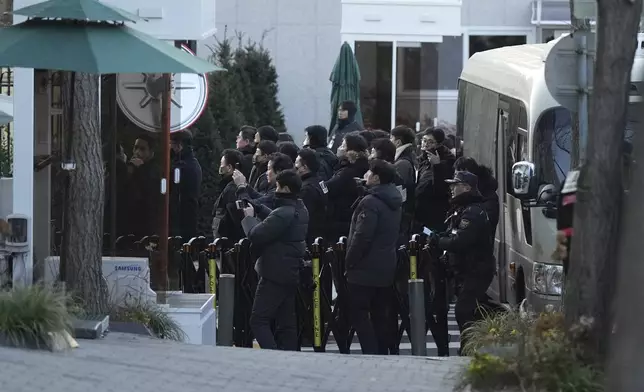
point(92, 47)
point(345, 83)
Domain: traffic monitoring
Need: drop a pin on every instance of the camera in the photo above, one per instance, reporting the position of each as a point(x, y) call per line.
point(241, 204)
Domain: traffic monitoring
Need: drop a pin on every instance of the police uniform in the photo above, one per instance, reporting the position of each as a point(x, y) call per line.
point(471, 249)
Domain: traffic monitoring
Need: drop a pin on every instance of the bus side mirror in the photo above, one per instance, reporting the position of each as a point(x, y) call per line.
point(524, 180)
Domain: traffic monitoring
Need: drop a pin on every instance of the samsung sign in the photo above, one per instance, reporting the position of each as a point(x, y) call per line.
point(128, 268)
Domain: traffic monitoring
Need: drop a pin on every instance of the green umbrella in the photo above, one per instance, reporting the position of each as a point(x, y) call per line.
point(92, 47)
point(345, 81)
point(88, 10)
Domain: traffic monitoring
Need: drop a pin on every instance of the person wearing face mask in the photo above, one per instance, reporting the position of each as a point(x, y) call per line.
point(313, 193)
point(342, 187)
point(345, 124)
point(257, 179)
point(432, 196)
point(371, 258)
point(224, 222)
point(470, 247)
point(277, 163)
point(315, 139)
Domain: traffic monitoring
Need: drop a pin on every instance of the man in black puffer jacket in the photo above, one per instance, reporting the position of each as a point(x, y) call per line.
point(487, 186)
point(342, 187)
point(316, 141)
point(345, 124)
point(279, 239)
point(312, 193)
point(371, 257)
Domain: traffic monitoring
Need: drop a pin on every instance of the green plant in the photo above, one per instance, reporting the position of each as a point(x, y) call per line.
point(28, 315)
point(158, 322)
point(527, 352)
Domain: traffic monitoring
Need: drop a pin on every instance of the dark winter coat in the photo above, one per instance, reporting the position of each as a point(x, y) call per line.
point(264, 198)
point(226, 217)
point(342, 128)
point(144, 199)
point(279, 239)
point(488, 186)
point(372, 243)
point(343, 192)
point(468, 239)
point(327, 160)
point(315, 199)
point(184, 197)
point(247, 161)
point(432, 192)
point(257, 178)
point(405, 165)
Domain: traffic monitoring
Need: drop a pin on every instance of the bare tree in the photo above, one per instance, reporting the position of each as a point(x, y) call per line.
point(83, 211)
point(591, 277)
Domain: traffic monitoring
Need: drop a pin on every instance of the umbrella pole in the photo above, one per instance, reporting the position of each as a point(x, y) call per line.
point(165, 191)
point(113, 174)
point(67, 159)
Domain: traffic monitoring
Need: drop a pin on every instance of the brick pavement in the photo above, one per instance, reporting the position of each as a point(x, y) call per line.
point(128, 363)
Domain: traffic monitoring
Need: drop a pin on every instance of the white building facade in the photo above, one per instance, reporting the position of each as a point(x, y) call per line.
point(410, 52)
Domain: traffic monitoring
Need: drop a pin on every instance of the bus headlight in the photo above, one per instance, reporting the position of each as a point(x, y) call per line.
point(547, 278)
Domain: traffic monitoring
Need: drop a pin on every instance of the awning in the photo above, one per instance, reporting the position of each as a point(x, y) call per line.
point(6, 109)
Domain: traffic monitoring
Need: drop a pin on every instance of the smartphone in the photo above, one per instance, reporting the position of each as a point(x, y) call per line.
point(427, 231)
point(241, 204)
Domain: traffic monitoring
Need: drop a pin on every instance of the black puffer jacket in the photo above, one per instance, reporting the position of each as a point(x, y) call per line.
point(315, 200)
point(371, 248)
point(279, 239)
point(405, 165)
point(257, 178)
point(343, 192)
point(327, 160)
point(184, 206)
point(488, 186)
point(338, 132)
point(432, 192)
point(247, 161)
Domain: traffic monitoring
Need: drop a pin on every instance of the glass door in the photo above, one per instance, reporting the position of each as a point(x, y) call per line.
point(375, 62)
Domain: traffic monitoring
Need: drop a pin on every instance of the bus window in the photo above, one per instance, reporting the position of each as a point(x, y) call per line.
point(553, 146)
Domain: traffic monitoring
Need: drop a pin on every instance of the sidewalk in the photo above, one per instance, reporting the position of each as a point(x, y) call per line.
point(128, 363)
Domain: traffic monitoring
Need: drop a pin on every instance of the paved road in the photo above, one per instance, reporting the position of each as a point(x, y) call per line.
point(127, 363)
point(405, 343)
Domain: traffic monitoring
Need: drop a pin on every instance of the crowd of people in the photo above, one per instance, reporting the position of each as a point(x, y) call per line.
point(374, 187)
point(377, 188)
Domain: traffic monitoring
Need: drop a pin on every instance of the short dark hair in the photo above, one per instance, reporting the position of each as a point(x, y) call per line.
point(350, 107)
point(183, 137)
point(367, 135)
point(355, 142)
point(149, 139)
point(404, 134)
point(247, 132)
point(289, 148)
point(310, 159)
point(379, 134)
point(280, 162)
point(317, 135)
point(268, 147)
point(290, 179)
point(233, 157)
point(385, 149)
point(284, 137)
point(266, 132)
point(437, 133)
point(384, 170)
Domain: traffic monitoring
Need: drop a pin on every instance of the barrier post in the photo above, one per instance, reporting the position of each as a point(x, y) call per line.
point(317, 317)
point(417, 317)
point(212, 271)
point(226, 310)
point(185, 268)
point(413, 257)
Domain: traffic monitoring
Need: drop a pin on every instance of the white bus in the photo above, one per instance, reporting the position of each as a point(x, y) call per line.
point(507, 115)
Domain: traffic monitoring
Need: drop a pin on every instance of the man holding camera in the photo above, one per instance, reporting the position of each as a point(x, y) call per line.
point(279, 238)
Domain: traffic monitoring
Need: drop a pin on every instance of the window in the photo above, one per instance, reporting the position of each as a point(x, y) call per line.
point(480, 43)
point(430, 66)
point(374, 60)
point(553, 146)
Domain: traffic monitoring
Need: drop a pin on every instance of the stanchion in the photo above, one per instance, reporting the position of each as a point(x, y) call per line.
point(317, 317)
point(413, 256)
point(226, 309)
point(212, 271)
point(417, 317)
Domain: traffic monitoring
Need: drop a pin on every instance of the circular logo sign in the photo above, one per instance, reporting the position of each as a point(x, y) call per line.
point(139, 97)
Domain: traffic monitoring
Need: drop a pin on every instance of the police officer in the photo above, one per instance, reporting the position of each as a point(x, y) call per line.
point(470, 247)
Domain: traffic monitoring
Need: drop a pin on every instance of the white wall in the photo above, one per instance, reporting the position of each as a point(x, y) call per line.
point(304, 38)
point(496, 12)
